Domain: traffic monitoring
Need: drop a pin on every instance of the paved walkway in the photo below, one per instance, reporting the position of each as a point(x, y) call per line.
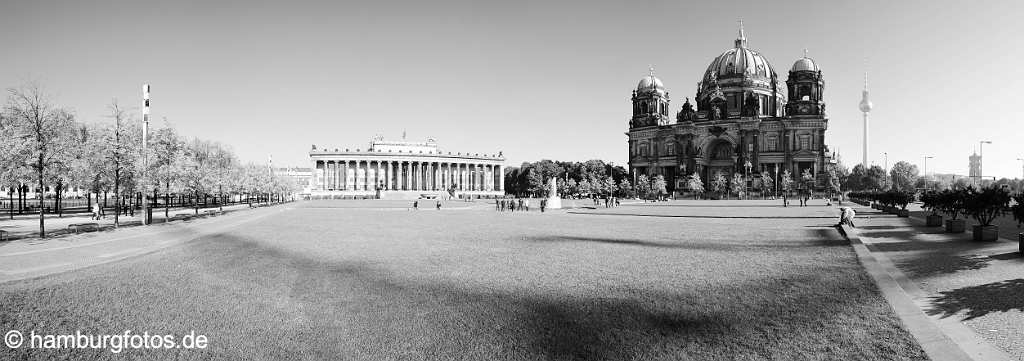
point(33, 257)
point(27, 225)
point(972, 291)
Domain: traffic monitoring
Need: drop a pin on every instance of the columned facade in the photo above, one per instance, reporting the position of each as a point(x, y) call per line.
point(405, 170)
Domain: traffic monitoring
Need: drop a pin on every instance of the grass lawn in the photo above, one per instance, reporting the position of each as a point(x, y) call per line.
point(326, 282)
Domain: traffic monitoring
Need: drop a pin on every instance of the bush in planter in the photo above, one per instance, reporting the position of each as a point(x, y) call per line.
point(930, 202)
point(984, 206)
point(951, 202)
point(902, 199)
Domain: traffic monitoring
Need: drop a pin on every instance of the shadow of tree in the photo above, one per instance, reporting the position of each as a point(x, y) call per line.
point(941, 263)
point(824, 237)
point(439, 320)
point(977, 301)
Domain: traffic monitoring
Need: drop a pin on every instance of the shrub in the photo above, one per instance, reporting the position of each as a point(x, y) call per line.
point(930, 201)
point(986, 204)
point(951, 202)
point(1018, 209)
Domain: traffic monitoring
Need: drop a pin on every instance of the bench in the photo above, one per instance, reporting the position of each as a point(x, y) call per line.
point(213, 212)
point(4, 236)
point(80, 226)
point(183, 216)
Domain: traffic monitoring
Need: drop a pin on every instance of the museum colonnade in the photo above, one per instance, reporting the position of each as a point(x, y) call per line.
point(368, 175)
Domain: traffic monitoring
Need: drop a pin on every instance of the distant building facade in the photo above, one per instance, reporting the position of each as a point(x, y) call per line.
point(742, 113)
point(974, 167)
point(403, 169)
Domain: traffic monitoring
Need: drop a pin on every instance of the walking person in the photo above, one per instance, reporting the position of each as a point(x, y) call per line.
point(543, 203)
point(439, 205)
point(526, 205)
point(497, 205)
point(511, 206)
point(416, 205)
point(96, 211)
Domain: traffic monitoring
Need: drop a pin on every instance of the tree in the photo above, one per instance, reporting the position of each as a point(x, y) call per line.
point(856, 180)
point(833, 181)
point(610, 185)
point(786, 182)
point(658, 186)
point(904, 175)
point(584, 187)
point(738, 185)
point(626, 189)
point(167, 148)
point(535, 182)
point(122, 145)
point(767, 183)
point(695, 185)
point(807, 181)
point(719, 184)
point(643, 186)
point(875, 179)
point(38, 129)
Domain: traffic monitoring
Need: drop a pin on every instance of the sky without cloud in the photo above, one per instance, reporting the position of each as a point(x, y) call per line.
point(535, 79)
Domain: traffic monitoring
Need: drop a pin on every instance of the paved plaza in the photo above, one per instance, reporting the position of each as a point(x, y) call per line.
point(953, 279)
point(373, 280)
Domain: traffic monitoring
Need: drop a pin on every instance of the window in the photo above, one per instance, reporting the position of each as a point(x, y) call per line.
point(670, 149)
point(773, 144)
point(805, 141)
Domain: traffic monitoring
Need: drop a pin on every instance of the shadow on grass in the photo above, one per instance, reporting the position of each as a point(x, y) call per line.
point(1008, 256)
point(701, 216)
point(823, 237)
point(406, 313)
point(977, 301)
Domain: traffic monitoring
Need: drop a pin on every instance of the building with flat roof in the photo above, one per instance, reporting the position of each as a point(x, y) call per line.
point(405, 170)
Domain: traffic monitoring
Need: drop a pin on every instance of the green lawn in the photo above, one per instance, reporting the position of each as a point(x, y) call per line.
point(321, 282)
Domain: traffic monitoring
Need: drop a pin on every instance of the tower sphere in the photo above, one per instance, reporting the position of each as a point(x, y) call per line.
point(865, 103)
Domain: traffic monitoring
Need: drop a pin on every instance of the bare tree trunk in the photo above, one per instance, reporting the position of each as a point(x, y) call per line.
point(167, 201)
point(117, 196)
point(42, 225)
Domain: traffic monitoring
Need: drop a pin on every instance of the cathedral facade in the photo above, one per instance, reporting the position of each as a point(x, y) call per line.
point(742, 120)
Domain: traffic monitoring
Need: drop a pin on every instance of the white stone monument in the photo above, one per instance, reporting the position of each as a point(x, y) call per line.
point(553, 201)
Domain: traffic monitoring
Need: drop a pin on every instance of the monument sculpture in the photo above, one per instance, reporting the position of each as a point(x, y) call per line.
point(553, 201)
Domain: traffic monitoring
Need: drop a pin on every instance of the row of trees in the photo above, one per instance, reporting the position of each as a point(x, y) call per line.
point(50, 150)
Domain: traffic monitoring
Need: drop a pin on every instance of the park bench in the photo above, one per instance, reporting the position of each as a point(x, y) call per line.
point(213, 212)
point(4, 236)
point(83, 226)
point(183, 216)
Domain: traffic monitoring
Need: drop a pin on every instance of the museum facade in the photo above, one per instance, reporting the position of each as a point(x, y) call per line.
point(405, 170)
point(742, 120)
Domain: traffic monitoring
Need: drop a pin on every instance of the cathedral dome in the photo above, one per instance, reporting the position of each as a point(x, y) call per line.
point(737, 63)
point(650, 83)
point(804, 64)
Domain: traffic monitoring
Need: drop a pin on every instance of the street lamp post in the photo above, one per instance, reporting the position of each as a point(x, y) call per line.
point(1021, 166)
point(926, 158)
point(981, 159)
point(886, 154)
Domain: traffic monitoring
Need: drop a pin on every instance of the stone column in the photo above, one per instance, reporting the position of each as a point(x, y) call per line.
point(501, 179)
point(430, 176)
point(327, 175)
point(489, 178)
point(423, 176)
point(346, 182)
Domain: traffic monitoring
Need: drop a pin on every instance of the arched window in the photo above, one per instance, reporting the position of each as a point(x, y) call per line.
point(643, 107)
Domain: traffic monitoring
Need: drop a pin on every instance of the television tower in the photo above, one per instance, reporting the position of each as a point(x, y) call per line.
point(865, 108)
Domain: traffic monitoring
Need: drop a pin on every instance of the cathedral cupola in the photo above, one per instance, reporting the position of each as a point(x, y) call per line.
point(805, 87)
point(650, 103)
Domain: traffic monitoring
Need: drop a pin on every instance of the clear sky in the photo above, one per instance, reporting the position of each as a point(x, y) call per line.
point(535, 79)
